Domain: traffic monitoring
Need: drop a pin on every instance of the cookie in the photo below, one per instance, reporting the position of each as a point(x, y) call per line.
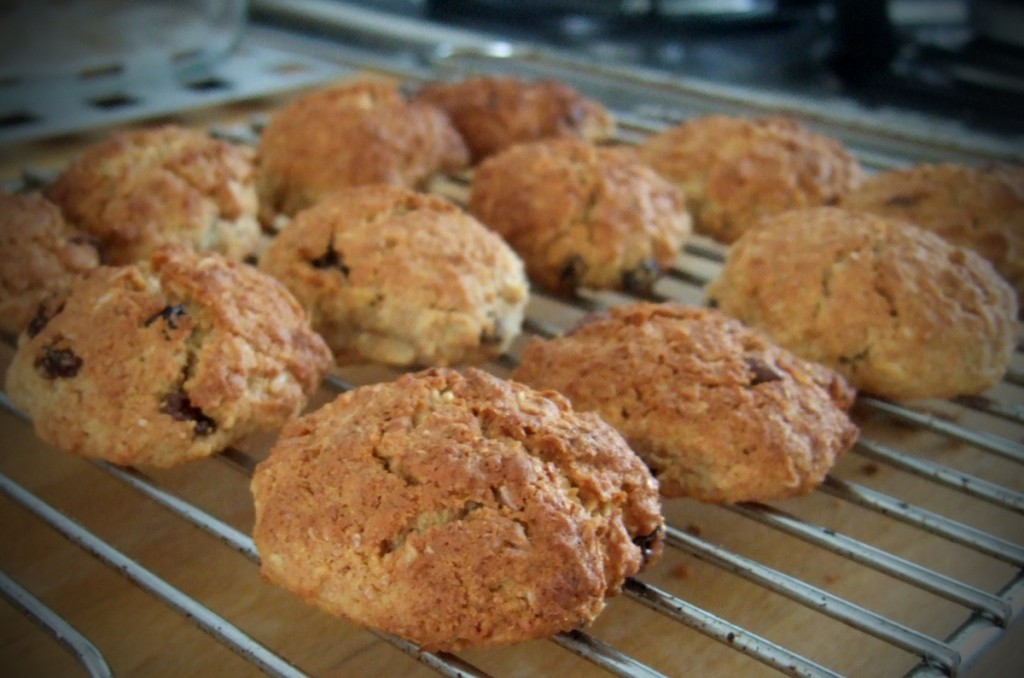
point(401, 278)
point(351, 135)
point(141, 190)
point(581, 215)
point(40, 255)
point(981, 208)
point(493, 113)
point(734, 170)
point(454, 510)
point(163, 362)
point(717, 411)
point(895, 309)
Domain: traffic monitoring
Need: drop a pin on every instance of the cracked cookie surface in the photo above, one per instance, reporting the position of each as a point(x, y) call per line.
point(163, 362)
point(897, 310)
point(981, 208)
point(40, 255)
point(581, 215)
point(715, 409)
point(455, 510)
point(398, 277)
point(140, 190)
point(734, 170)
point(493, 113)
point(351, 135)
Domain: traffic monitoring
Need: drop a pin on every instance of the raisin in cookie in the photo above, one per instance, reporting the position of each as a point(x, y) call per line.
point(580, 215)
point(140, 190)
point(493, 113)
point(167, 361)
point(734, 170)
point(981, 208)
point(40, 255)
point(401, 278)
point(715, 409)
point(455, 510)
point(352, 135)
point(895, 309)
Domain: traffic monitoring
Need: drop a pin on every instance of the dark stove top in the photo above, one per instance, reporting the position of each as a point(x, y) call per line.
point(919, 55)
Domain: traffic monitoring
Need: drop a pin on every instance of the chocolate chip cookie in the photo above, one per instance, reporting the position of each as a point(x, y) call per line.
point(398, 277)
point(715, 409)
point(493, 113)
point(40, 256)
point(734, 170)
point(140, 190)
point(166, 361)
point(351, 135)
point(895, 309)
point(455, 510)
point(581, 215)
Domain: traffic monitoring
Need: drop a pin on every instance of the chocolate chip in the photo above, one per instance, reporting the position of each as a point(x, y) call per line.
point(169, 314)
point(762, 371)
point(58, 363)
point(493, 336)
point(904, 200)
point(646, 543)
point(572, 272)
point(641, 278)
point(251, 259)
point(181, 409)
point(712, 302)
point(42, 318)
point(331, 259)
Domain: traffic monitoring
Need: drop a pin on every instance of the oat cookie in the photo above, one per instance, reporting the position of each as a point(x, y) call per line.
point(493, 113)
point(40, 255)
point(455, 510)
point(581, 215)
point(895, 309)
point(402, 278)
point(715, 409)
point(140, 190)
point(981, 208)
point(734, 170)
point(166, 361)
point(351, 135)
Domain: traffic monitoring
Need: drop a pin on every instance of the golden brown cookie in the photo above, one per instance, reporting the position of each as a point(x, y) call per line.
point(895, 309)
point(455, 510)
point(40, 255)
point(581, 215)
point(167, 361)
point(981, 208)
point(351, 135)
point(493, 113)
point(716, 410)
point(734, 170)
point(140, 190)
point(402, 278)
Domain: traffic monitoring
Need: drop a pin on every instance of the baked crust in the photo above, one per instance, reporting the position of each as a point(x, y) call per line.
point(734, 170)
point(402, 278)
point(351, 135)
point(140, 190)
point(895, 309)
point(454, 510)
point(40, 255)
point(164, 362)
point(493, 113)
point(715, 409)
point(981, 208)
point(581, 215)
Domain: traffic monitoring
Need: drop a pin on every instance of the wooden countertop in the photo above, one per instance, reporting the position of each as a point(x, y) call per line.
point(140, 635)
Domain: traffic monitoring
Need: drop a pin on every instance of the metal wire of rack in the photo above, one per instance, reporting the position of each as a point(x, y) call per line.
point(986, 613)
